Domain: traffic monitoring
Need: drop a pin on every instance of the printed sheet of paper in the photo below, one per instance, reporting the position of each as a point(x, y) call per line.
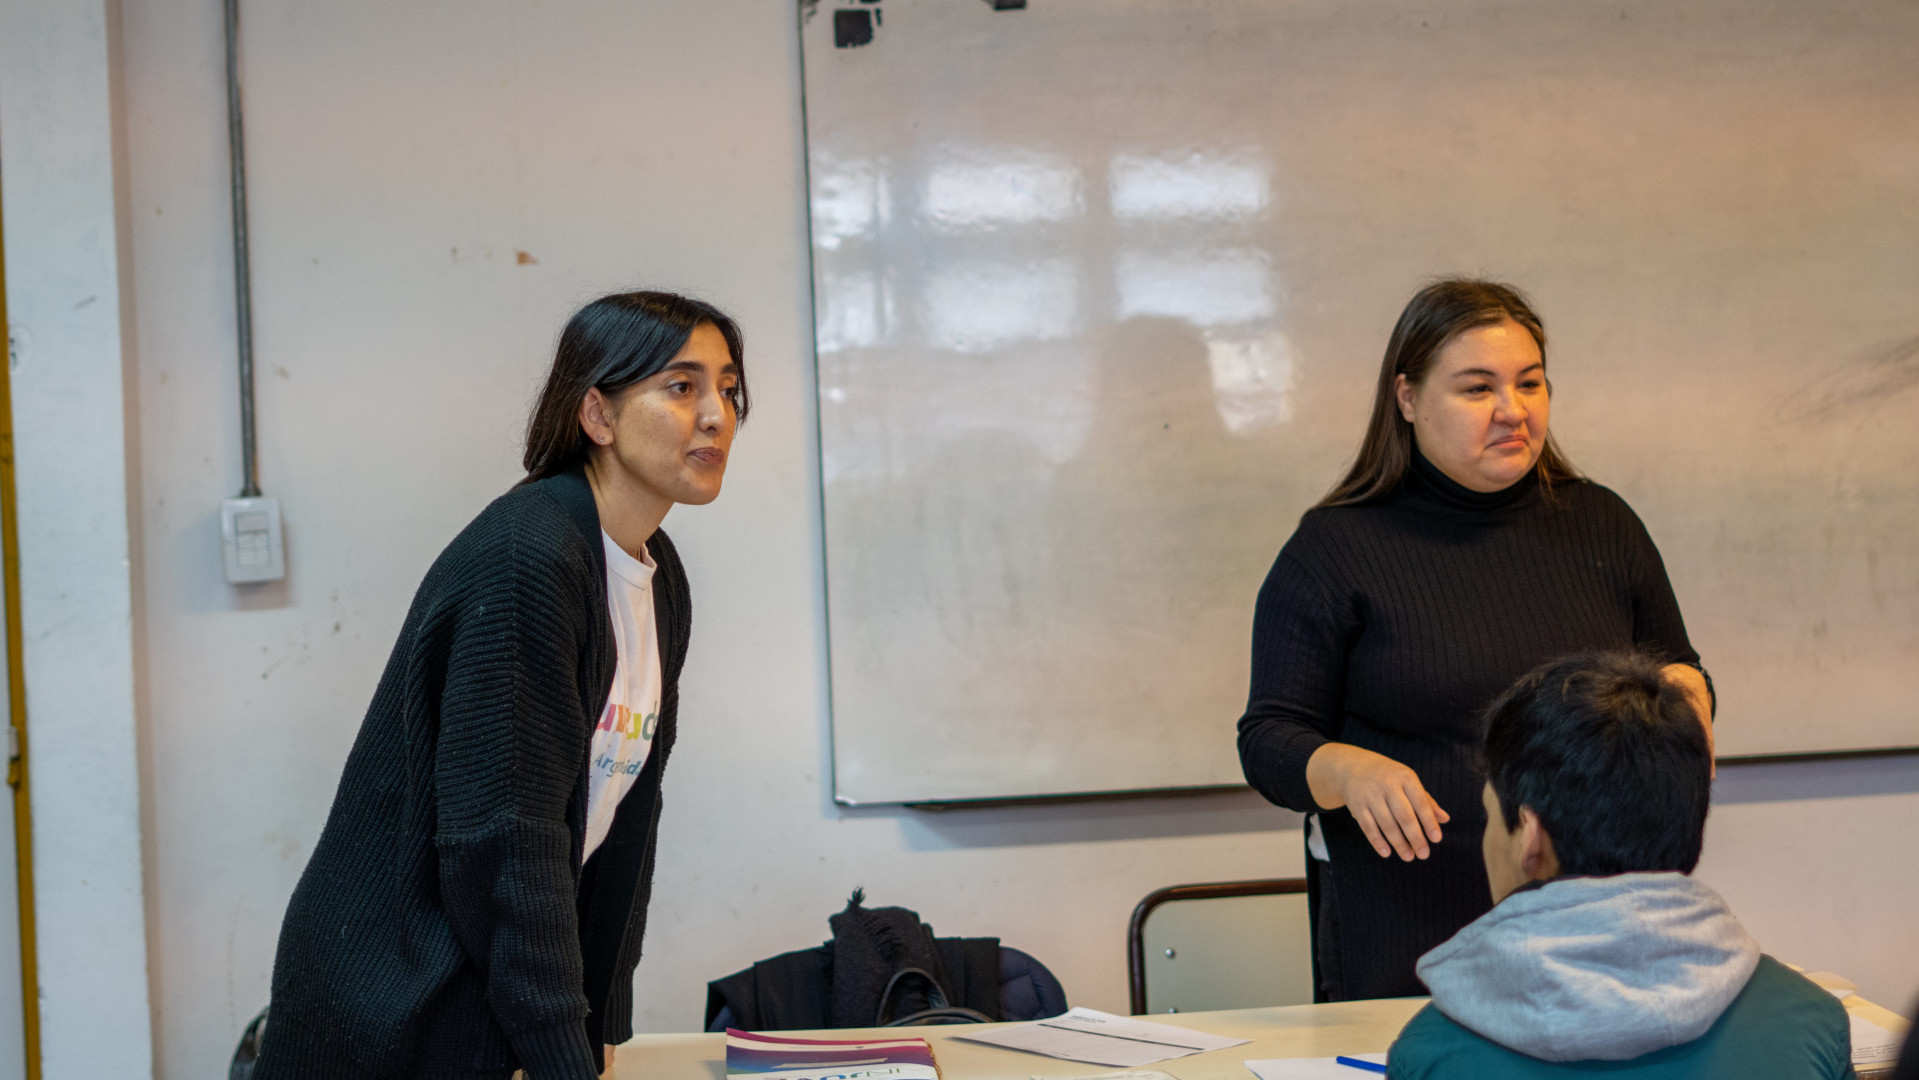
point(1872, 1044)
point(1099, 1038)
point(1124, 1074)
point(1313, 1068)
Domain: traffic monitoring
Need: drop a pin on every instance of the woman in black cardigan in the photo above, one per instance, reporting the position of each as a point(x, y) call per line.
point(452, 922)
point(1460, 551)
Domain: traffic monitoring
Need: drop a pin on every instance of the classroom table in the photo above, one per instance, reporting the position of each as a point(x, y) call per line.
point(1291, 1031)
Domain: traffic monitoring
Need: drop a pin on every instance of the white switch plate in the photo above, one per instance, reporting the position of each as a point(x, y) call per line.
point(250, 540)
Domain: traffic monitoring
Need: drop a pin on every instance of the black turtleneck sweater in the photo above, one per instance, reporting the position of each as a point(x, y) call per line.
point(1391, 626)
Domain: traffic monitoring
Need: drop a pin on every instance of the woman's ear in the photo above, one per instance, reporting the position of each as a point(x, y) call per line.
point(1403, 394)
point(596, 416)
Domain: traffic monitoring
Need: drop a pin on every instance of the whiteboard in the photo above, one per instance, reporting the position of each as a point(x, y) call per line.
point(1101, 288)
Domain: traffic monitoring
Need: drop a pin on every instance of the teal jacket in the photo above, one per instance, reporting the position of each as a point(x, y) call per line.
point(1642, 974)
point(1780, 1025)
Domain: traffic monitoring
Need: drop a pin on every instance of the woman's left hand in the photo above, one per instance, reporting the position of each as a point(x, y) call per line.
point(1694, 684)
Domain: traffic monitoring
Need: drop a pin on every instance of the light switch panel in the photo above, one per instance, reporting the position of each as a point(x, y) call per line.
point(250, 540)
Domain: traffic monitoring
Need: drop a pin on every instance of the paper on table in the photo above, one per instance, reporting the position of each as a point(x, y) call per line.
point(1312, 1068)
point(1124, 1074)
point(1871, 1044)
point(1122, 1027)
point(1103, 1039)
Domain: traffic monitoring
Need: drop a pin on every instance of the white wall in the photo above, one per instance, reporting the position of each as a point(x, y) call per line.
point(74, 430)
point(400, 157)
point(1816, 859)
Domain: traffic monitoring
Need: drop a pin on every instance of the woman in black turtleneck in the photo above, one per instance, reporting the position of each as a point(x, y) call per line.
point(1460, 551)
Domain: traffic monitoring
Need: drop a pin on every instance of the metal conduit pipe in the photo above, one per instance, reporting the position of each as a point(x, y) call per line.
point(250, 537)
point(242, 271)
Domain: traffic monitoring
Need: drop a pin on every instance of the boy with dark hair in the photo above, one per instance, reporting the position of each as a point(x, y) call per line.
point(1601, 953)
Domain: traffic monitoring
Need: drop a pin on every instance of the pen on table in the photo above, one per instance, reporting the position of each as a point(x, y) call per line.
point(1369, 1066)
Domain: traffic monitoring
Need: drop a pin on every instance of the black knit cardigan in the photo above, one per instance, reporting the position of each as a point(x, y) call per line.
point(445, 927)
point(1391, 626)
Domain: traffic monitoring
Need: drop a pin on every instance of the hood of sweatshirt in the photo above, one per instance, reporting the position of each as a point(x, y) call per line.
point(1595, 968)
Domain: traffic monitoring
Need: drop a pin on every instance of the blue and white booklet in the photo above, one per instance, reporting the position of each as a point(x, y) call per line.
point(773, 1057)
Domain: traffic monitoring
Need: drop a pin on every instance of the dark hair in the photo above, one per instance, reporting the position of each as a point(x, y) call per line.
point(611, 344)
point(1434, 316)
point(1611, 755)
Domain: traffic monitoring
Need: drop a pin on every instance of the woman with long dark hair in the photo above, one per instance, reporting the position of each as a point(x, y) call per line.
point(1460, 551)
point(476, 900)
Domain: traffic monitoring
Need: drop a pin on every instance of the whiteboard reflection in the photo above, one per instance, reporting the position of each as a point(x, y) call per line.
point(1189, 186)
point(984, 189)
point(1252, 380)
point(855, 310)
point(1206, 288)
point(1016, 415)
point(849, 202)
point(982, 305)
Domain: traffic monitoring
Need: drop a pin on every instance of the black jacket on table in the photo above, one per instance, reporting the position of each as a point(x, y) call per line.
point(1391, 626)
point(445, 927)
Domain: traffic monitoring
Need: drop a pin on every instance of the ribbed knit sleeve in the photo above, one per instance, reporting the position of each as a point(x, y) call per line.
point(510, 749)
point(1657, 625)
point(1301, 641)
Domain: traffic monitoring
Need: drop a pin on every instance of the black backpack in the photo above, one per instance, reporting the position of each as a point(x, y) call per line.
point(884, 968)
point(249, 1049)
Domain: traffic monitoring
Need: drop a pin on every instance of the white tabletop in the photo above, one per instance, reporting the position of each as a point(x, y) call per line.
point(1293, 1031)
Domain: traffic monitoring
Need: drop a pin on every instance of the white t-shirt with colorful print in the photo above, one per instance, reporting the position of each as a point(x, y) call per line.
point(625, 732)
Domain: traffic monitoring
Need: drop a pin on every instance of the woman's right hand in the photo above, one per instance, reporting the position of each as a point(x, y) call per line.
point(1385, 797)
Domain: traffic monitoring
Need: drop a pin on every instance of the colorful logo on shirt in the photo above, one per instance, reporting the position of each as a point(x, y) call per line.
point(628, 723)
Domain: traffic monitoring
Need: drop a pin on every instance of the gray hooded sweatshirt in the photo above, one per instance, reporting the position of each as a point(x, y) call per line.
point(1595, 968)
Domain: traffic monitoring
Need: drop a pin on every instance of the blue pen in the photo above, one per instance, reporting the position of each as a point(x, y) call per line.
point(1356, 1063)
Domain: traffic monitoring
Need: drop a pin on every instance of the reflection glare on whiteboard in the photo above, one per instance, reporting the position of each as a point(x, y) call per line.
point(1192, 186)
point(855, 309)
point(1210, 288)
point(849, 202)
point(1252, 380)
point(978, 191)
point(980, 306)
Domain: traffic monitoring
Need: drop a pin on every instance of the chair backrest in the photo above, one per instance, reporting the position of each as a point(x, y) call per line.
point(1225, 945)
